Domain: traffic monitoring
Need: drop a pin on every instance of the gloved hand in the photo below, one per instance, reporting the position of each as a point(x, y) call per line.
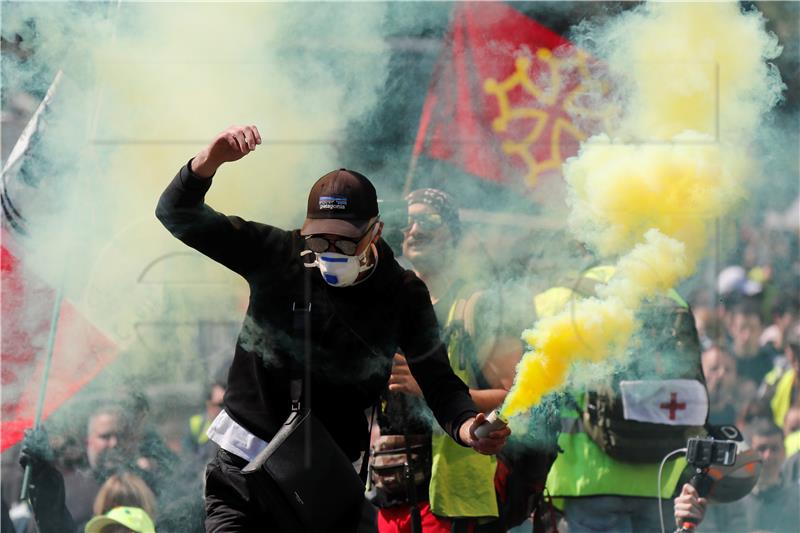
point(46, 486)
point(36, 449)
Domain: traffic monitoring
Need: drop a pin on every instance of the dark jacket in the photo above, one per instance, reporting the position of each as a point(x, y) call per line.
point(354, 332)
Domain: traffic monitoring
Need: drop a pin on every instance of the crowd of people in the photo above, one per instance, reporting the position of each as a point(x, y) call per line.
point(118, 472)
point(751, 358)
point(580, 466)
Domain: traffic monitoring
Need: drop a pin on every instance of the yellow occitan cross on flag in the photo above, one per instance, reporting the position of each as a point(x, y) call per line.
point(509, 99)
point(545, 109)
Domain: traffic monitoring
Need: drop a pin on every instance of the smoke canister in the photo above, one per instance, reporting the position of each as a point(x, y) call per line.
point(493, 422)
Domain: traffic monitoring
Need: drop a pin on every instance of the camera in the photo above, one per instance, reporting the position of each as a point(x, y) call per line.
point(701, 453)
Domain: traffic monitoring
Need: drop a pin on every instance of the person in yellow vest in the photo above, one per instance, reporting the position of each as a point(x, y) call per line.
point(598, 492)
point(783, 389)
point(454, 488)
point(196, 440)
point(791, 430)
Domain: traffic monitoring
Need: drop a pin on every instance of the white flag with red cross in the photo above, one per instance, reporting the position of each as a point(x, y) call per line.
point(677, 402)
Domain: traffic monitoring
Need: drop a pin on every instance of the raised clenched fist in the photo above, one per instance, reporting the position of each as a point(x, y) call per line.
point(231, 145)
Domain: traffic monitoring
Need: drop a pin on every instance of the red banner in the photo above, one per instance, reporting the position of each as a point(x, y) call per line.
point(509, 99)
point(80, 351)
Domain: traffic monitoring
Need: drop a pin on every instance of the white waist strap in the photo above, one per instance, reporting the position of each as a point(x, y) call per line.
point(233, 438)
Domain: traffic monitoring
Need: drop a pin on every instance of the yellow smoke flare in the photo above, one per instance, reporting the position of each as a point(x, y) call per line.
point(595, 328)
point(696, 84)
point(586, 333)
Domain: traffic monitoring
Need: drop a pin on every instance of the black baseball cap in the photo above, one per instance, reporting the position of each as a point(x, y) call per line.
point(342, 202)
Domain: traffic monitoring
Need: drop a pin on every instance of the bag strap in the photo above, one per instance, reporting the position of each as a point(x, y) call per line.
point(301, 324)
point(408, 475)
point(362, 473)
point(298, 374)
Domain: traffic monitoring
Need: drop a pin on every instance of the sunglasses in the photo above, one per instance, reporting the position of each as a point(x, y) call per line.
point(774, 448)
point(319, 244)
point(425, 221)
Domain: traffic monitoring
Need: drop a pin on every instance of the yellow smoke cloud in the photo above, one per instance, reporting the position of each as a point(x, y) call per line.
point(146, 86)
point(620, 191)
point(696, 84)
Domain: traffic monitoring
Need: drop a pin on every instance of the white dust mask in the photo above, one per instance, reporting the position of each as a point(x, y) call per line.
point(338, 270)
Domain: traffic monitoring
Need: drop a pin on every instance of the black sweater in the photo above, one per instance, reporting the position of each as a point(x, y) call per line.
point(354, 332)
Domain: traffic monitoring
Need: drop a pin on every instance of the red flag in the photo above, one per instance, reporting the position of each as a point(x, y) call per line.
point(509, 98)
point(80, 352)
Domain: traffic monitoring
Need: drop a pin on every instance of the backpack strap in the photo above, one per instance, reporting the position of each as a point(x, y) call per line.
point(455, 316)
point(461, 321)
point(469, 313)
point(586, 287)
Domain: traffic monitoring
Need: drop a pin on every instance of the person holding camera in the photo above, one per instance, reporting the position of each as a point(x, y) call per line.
point(361, 307)
point(772, 506)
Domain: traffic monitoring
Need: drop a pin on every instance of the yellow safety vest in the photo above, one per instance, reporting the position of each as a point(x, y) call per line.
point(792, 443)
point(583, 469)
point(198, 426)
point(773, 376)
point(462, 480)
point(782, 399)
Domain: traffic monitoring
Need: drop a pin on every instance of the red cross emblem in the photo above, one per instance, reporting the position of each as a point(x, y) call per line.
point(673, 405)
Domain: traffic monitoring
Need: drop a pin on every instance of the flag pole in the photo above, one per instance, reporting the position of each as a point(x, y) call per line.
point(412, 168)
point(15, 157)
point(51, 341)
point(422, 130)
point(56, 314)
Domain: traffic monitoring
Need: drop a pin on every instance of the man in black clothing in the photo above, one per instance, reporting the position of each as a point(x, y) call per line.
point(363, 307)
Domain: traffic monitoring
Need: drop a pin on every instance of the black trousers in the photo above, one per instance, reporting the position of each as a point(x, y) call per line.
point(232, 506)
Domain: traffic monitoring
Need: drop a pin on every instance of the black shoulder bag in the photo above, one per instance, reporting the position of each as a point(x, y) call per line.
point(302, 476)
